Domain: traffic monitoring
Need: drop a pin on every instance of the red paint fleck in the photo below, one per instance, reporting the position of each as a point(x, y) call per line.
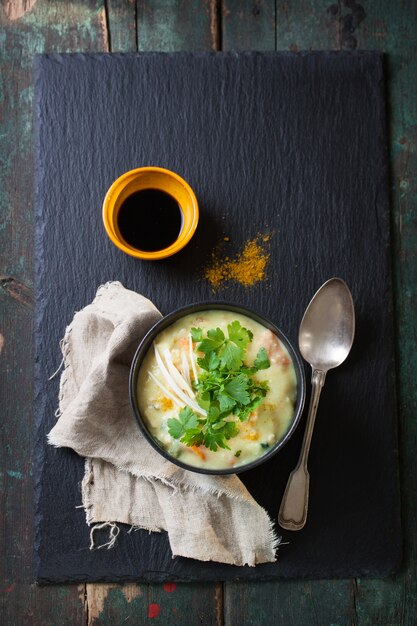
point(9, 589)
point(154, 610)
point(402, 140)
point(170, 587)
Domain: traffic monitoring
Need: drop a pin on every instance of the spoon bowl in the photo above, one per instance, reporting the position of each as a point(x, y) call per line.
point(328, 326)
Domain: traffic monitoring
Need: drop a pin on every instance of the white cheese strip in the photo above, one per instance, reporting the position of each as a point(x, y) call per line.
point(176, 374)
point(185, 368)
point(175, 388)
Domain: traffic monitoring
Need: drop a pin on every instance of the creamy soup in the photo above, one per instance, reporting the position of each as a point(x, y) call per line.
point(217, 389)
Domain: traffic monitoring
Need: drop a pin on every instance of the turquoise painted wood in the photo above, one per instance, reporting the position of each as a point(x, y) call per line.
point(121, 25)
point(248, 25)
point(36, 26)
point(23, 34)
point(174, 25)
point(392, 28)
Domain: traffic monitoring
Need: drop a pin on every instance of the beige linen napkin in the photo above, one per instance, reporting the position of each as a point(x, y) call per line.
point(210, 518)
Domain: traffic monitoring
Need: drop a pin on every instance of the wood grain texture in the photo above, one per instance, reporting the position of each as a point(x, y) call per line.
point(393, 29)
point(175, 25)
point(122, 25)
point(248, 25)
point(305, 25)
point(169, 603)
point(316, 603)
point(27, 28)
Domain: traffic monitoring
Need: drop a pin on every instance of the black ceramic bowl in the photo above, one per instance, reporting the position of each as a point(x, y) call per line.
point(193, 308)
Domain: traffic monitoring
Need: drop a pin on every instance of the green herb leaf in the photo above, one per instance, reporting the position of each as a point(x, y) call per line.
point(196, 334)
point(216, 334)
point(244, 413)
point(230, 430)
point(187, 420)
point(193, 437)
point(262, 361)
point(208, 345)
point(213, 413)
point(213, 441)
point(238, 453)
point(226, 403)
point(237, 388)
point(204, 401)
point(209, 362)
point(231, 357)
point(239, 335)
point(175, 428)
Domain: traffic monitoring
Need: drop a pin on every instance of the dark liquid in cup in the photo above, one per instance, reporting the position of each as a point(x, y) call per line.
point(150, 220)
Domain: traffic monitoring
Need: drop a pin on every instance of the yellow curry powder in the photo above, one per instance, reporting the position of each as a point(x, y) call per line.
point(248, 268)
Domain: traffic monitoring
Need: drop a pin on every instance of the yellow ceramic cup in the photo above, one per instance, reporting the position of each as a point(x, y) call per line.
point(150, 178)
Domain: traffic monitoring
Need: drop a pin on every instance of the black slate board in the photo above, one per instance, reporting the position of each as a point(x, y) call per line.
point(292, 144)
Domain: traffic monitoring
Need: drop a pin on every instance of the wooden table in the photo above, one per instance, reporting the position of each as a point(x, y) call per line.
point(34, 26)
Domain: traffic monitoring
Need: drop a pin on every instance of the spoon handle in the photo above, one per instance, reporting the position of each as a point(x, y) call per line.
point(293, 510)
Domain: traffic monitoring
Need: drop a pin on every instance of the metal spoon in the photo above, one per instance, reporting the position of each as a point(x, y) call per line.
point(325, 339)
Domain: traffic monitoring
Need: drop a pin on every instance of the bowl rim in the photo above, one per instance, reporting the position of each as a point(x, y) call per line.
point(171, 318)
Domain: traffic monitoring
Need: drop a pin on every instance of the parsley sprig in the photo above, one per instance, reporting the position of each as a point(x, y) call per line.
point(226, 388)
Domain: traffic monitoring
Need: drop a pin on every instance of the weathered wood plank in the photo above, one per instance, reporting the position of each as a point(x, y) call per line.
point(306, 25)
point(172, 604)
point(27, 28)
point(17, 290)
point(268, 25)
point(391, 27)
point(248, 25)
point(121, 24)
point(192, 605)
point(116, 604)
point(175, 25)
point(291, 603)
point(20, 599)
